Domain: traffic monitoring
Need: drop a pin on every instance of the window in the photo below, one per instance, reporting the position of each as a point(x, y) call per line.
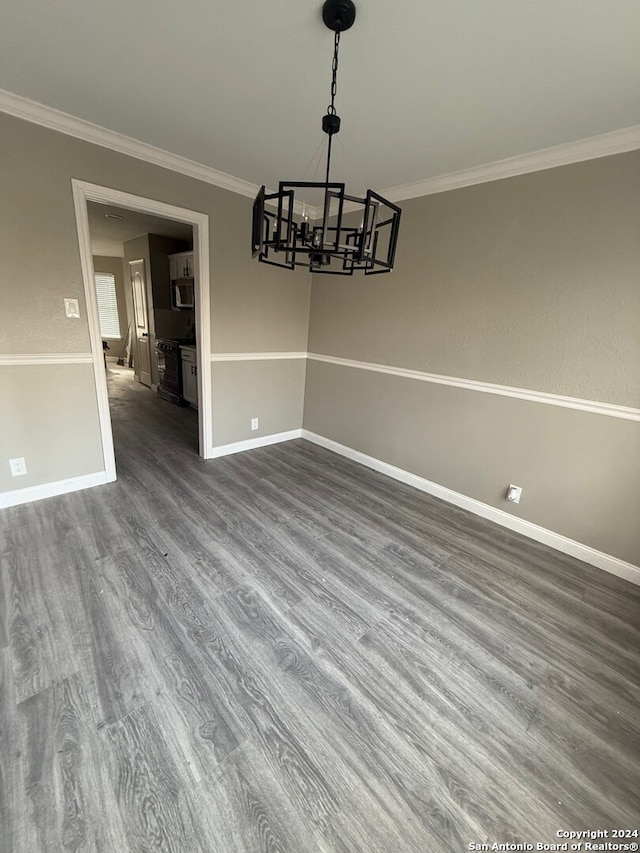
point(107, 305)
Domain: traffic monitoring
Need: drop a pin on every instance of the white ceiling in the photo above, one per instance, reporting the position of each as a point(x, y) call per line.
point(108, 234)
point(424, 88)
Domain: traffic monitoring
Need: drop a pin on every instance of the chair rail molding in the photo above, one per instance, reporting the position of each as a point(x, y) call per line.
point(256, 356)
point(9, 359)
point(612, 410)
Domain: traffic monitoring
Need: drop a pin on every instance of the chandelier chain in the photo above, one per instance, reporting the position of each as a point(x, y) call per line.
point(331, 110)
point(326, 241)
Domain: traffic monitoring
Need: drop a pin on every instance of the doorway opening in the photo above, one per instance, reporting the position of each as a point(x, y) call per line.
point(145, 267)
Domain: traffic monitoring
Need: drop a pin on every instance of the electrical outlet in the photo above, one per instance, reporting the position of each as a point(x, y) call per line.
point(514, 493)
point(254, 423)
point(18, 466)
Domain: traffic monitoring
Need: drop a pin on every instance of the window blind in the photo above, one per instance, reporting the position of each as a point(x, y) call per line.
point(107, 305)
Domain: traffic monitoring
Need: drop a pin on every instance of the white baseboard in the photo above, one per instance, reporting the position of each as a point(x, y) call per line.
point(251, 443)
point(50, 490)
point(610, 564)
point(603, 561)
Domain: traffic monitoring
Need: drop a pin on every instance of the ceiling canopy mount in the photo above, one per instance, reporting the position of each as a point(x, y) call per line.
point(338, 15)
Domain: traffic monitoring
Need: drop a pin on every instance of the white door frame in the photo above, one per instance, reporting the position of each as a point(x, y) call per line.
point(84, 192)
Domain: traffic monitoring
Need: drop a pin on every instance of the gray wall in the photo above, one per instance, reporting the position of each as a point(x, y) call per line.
point(114, 266)
point(253, 307)
point(531, 282)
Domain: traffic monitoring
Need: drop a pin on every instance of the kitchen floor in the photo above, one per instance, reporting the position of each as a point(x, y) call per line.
point(281, 650)
point(132, 403)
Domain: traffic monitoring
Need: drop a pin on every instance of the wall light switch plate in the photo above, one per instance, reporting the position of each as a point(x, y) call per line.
point(18, 466)
point(254, 423)
point(72, 308)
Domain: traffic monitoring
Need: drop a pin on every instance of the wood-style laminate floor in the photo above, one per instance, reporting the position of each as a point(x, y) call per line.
point(283, 651)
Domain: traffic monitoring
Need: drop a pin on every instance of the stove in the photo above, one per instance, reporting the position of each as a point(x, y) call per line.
point(170, 369)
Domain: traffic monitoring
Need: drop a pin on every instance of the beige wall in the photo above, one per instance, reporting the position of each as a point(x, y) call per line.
point(253, 307)
point(531, 282)
point(274, 394)
point(44, 406)
point(580, 472)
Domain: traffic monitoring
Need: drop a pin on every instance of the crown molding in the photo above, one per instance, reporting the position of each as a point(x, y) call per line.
point(591, 148)
point(36, 113)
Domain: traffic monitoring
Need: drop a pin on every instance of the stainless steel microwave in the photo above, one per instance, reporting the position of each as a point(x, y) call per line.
point(183, 293)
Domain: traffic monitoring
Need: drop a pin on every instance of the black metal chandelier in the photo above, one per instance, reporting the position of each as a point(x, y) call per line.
point(286, 234)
